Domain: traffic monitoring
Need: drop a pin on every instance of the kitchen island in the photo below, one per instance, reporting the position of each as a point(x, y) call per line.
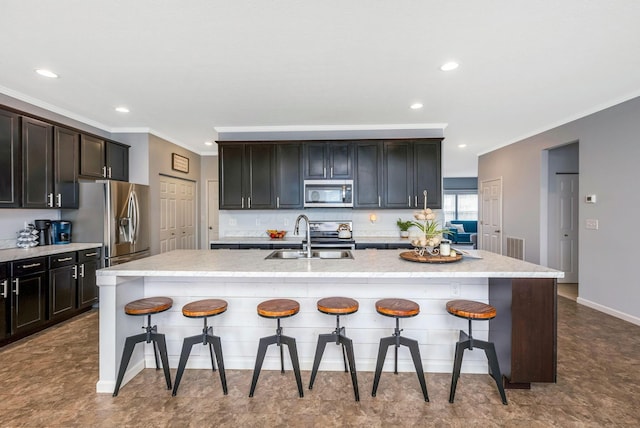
point(524, 294)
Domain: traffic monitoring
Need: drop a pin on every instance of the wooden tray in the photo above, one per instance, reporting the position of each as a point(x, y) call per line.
point(413, 257)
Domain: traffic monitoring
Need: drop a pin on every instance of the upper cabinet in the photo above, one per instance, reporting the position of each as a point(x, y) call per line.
point(37, 164)
point(328, 160)
point(247, 176)
point(368, 177)
point(289, 175)
point(103, 159)
point(10, 163)
point(412, 167)
point(66, 165)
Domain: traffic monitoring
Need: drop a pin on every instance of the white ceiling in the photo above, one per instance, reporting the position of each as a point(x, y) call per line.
point(186, 67)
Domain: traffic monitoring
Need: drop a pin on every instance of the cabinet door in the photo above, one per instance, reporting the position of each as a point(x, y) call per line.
point(28, 308)
point(231, 165)
point(288, 176)
point(368, 180)
point(117, 161)
point(37, 164)
point(398, 174)
point(4, 300)
point(62, 291)
point(66, 164)
point(427, 173)
point(340, 160)
point(260, 160)
point(92, 163)
point(315, 162)
point(10, 163)
point(89, 263)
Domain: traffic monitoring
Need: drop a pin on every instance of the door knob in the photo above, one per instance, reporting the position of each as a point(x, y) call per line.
point(497, 231)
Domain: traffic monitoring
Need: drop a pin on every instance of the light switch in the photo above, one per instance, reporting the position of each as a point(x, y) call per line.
point(591, 223)
point(590, 199)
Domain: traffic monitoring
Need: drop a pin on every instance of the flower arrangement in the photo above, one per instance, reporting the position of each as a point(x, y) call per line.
point(431, 231)
point(404, 225)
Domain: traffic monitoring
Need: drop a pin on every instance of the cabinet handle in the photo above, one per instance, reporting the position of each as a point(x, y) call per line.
point(50, 200)
point(331, 172)
point(324, 172)
point(5, 285)
point(17, 283)
point(66, 259)
point(242, 203)
point(416, 204)
point(249, 202)
point(109, 172)
point(59, 200)
point(90, 254)
point(82, 270)
point(277, 201)
point(379, 201)
point(409, 201)
point(75, 271)
point(104, 171)
point(31, 265)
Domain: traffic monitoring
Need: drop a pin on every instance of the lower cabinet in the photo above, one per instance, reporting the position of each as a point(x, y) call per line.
point(63, 275)
point(38, 292)
point(88, 264)
point(28, 295)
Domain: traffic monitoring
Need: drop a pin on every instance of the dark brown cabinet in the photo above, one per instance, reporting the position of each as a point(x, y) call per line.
point(66, 164)
point(368, 179)
point(63, 275)
point(328, 160)
point(247, 176)
point(37, 164)
point(5, 300)
point(88, 264)
point(103, 159)
point(410, 168)
point(28, 295)
point(289, 176)
point(10, 163)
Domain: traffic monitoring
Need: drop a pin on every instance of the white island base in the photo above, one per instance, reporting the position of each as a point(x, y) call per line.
point(243, 278)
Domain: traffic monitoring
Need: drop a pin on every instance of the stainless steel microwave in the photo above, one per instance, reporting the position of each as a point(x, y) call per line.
point(328, 193)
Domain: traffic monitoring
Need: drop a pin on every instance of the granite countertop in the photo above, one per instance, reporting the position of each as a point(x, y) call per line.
point(365, 264)
point(11, 254)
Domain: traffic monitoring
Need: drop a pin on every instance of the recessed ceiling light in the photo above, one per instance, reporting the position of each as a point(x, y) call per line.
point(416, 106)
point(448, 66)
point(462, 146)
point(46, 73)
point(208, 143)
point(122, 110)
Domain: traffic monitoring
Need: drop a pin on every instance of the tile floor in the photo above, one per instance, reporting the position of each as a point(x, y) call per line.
point(49, 381)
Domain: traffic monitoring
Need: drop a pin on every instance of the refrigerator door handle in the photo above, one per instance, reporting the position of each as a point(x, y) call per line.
point(135, 215)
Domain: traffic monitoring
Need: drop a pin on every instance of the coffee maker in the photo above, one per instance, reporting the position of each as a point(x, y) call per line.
point(60, 232)
point(44, 231)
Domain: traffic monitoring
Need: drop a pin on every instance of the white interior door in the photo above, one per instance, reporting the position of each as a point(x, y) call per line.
point(213, 226)
point(491, 216)
point(567, 232)
point(177, 214)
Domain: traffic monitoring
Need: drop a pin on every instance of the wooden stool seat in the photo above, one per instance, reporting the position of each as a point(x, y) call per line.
point(149, 305)
point(471, 310)
point(204, 308)
point(400, 308)
point(338, 305)
point(278, 308)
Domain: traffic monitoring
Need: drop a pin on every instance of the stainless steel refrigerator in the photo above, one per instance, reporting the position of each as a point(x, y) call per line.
point(114, 213)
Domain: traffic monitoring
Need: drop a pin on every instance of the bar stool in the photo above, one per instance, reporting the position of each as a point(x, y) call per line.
point(278, 308)
point(147, 306)
point(337, 306)
point(398, 308)
point(471, 310)
point(202, 309)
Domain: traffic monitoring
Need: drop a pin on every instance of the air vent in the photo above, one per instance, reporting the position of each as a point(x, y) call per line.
point(515, 247)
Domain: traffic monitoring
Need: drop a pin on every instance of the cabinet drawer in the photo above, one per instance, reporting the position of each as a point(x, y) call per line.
point(63, 259)
point(28, 266)
point(88, 255)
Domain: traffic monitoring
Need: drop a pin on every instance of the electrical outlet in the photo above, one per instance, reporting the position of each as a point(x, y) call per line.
point(591, 223)
point(233, 222)
point(455, 289)
point(286, 222)
point(257, 221)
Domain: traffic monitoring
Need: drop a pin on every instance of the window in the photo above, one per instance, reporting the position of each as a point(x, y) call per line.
point(460, 205)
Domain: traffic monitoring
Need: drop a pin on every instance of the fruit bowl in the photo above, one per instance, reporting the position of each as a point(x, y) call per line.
point(276, 234)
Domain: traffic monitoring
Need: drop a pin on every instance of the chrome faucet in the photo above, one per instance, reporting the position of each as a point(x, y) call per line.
point(297, 231)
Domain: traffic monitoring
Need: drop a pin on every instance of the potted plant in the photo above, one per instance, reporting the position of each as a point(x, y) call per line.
point(404, 227)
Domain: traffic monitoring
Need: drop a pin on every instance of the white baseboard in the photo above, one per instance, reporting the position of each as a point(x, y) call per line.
point(607, 310)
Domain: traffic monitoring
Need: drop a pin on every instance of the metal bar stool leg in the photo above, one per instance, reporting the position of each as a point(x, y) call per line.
point(385, 342)
point(217, 346)
point(129, 345)
point(323, 339)
point(293, 353)
point(187, 345)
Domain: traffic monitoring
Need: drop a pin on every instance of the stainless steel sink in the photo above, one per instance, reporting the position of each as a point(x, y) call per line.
point(315, 254)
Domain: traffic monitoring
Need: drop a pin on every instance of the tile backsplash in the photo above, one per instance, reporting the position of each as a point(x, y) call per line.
point(254, 223)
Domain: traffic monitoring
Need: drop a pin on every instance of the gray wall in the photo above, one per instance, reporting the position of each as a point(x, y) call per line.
point(608, 165)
